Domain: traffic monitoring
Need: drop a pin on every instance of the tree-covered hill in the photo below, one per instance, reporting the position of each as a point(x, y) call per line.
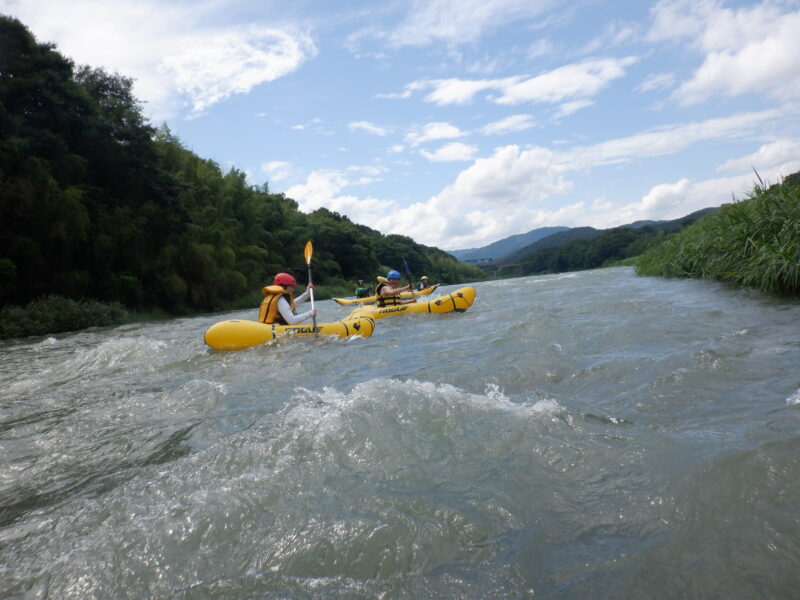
point(97, 204)
point(589, 248)
point(507, 245)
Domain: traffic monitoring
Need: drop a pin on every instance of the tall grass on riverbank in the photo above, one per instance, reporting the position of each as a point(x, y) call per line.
point(54, 314)
point(752, 243)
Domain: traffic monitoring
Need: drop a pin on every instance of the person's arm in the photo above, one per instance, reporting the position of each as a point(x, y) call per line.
point(289, 316)
point(304, 296)
point(394, 291)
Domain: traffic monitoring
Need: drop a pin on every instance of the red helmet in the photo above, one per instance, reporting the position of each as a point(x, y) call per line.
point(284, 279)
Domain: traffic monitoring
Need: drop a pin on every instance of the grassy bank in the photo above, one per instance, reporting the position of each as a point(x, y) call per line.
point(753, 243)
point(54, 314)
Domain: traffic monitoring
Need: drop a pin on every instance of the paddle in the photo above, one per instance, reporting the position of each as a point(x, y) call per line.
point(308, 252)
point(408, 272)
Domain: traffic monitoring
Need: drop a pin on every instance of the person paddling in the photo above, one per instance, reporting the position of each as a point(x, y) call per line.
point(389, 291)
point(423, 282)
point(278, 303)
point(362, 291)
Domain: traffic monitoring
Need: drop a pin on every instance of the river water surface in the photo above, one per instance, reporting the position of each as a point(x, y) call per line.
point(584, 435)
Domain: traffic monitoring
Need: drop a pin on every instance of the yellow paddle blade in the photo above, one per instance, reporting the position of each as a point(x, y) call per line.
point(308, 252)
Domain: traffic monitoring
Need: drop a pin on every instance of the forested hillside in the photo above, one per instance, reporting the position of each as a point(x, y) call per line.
point(507, 245)
point(95, 203)
point(588, 248)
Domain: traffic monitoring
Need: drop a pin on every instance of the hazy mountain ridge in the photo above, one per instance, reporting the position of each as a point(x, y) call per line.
point(515, 247)
point(507, 245)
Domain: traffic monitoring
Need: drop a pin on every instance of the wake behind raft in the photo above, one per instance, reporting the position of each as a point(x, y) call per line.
point(238, 334)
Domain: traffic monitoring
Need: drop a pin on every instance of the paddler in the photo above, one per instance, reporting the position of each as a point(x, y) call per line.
point(362, 291)
point(423, 282)
point(389, 291)
point(278, 303)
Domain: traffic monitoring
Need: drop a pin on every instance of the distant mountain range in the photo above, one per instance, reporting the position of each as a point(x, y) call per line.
point(514, 247)
point(507, 245)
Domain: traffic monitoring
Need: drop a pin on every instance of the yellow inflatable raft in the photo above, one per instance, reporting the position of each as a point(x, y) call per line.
point(236, 334)
point(372, 299)
point(458, 301)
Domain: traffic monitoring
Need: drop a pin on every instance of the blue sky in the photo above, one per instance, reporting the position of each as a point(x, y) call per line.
point(462, 122)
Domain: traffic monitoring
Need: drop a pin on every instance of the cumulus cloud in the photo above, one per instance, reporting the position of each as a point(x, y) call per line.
point(455, 151)
point(752, 49)
point(487, 199)
point(490, 198)
point(323, 188)
point(183, 58)
point(678, 199)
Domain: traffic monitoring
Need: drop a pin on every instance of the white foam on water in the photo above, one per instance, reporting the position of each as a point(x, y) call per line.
point(793, 399)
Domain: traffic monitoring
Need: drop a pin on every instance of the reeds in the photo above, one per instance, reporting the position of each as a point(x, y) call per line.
point(753, 243)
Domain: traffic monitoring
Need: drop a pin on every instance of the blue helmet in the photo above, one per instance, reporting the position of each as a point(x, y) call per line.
point(393, 275)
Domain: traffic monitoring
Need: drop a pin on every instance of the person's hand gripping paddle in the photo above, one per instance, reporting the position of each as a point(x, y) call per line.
point(308, 252)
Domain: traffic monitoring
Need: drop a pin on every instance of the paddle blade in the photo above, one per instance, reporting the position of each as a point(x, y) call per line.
point(408, 271)
point(308, 252)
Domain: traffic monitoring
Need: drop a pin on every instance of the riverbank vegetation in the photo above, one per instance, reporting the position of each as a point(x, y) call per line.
point(585, 248)
point(101, 209)
point(753, 243)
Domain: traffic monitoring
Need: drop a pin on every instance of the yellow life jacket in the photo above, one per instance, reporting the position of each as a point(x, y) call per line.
point(268, 311)
point(386, 300)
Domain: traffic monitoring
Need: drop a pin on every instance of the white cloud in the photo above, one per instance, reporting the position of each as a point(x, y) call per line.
point(541, 47)
point(455, 151)
point(433, 131)
point(615, 34)
point(323, 188)
point(486, 201)
point(492, 197)
point(461, 21)
point(577, 81)
point(675, 200)
point(753, 49)
point(460, 91)
point(782, 156)
point(184, 57)
point(368, 127)
point(572, 83)
point(509, 124)
point(657, 81)
point(277, 170)
point(569, 108)
point(209, 67)
point(670, 139)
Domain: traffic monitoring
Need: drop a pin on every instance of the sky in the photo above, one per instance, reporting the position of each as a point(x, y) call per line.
point(462, 122)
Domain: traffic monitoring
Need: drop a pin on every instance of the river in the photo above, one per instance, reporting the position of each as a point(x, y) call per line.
point(582, 435)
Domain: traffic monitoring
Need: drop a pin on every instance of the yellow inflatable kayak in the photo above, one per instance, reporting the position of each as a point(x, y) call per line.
point(458, 301)
point(236, 334)
point(372, 299)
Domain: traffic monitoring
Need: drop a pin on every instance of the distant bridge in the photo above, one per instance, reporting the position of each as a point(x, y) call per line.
point(483, 263)
point(490, 266)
